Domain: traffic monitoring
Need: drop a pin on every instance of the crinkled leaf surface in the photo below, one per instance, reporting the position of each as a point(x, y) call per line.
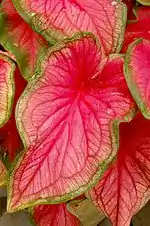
point(18, 37)
point(125, 186)
point(54, 215)
point(10, 141)
point(137, 71)
point(56, 19)
point(2, 173)
point(65, 119)
point(138, 28)
point(7, 68)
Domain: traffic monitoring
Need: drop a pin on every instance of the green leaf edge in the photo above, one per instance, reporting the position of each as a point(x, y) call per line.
point(119, 41)
point(131, 83)
point(121, 23)
point(10, 91)
point(143, 2)
point(114, 130)
point(21, 58)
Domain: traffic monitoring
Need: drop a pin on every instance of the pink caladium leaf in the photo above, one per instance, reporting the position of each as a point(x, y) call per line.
point(138, 28)
point(125, 186)
point(137, 72)
point(18, 37)
point(56, 19)
point(54, 215)
point(65, 118)
point(7, 68)
point(2, 173)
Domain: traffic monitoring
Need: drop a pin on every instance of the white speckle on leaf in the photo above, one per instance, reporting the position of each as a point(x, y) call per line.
point(114, 3)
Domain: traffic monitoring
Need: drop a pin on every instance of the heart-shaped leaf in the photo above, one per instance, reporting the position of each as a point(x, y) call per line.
point(54, 215)
point(137, 71)
point(56, 19)
point(17, 37)
point(124, 188)
point(138, 28)
point(65, 118)
point(7, 68)
point(2, 174)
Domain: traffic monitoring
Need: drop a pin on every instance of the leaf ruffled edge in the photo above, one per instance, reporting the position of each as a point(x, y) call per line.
point(118, 42)
point(114, 131)
point(11, 88)
point(131, 83)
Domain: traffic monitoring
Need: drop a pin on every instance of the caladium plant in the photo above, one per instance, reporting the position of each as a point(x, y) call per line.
point(81, 125)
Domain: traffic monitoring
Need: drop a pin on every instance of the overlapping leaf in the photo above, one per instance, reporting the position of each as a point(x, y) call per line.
point(7, 68)
point(2, 173)
point(54, 215)
point(125, 186)
point(138, 28)
point(17, 37)
point(65, 119)
point(56, 19)
point(137, 71)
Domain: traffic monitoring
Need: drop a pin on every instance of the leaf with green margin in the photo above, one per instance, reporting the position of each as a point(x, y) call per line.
point(68, 118)
point(56, 19)
point(125, 186)
point(7, 68)
point(2, 174)
point(137, 71)
point(18, 38)
point(54, 215)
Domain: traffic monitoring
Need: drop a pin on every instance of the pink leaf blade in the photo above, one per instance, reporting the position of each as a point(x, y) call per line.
point(69, 129)
point(57, 19)
point(124, 188)
point(7, 68)
point(18, 38)
point(137, 75)
point(54, 215)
